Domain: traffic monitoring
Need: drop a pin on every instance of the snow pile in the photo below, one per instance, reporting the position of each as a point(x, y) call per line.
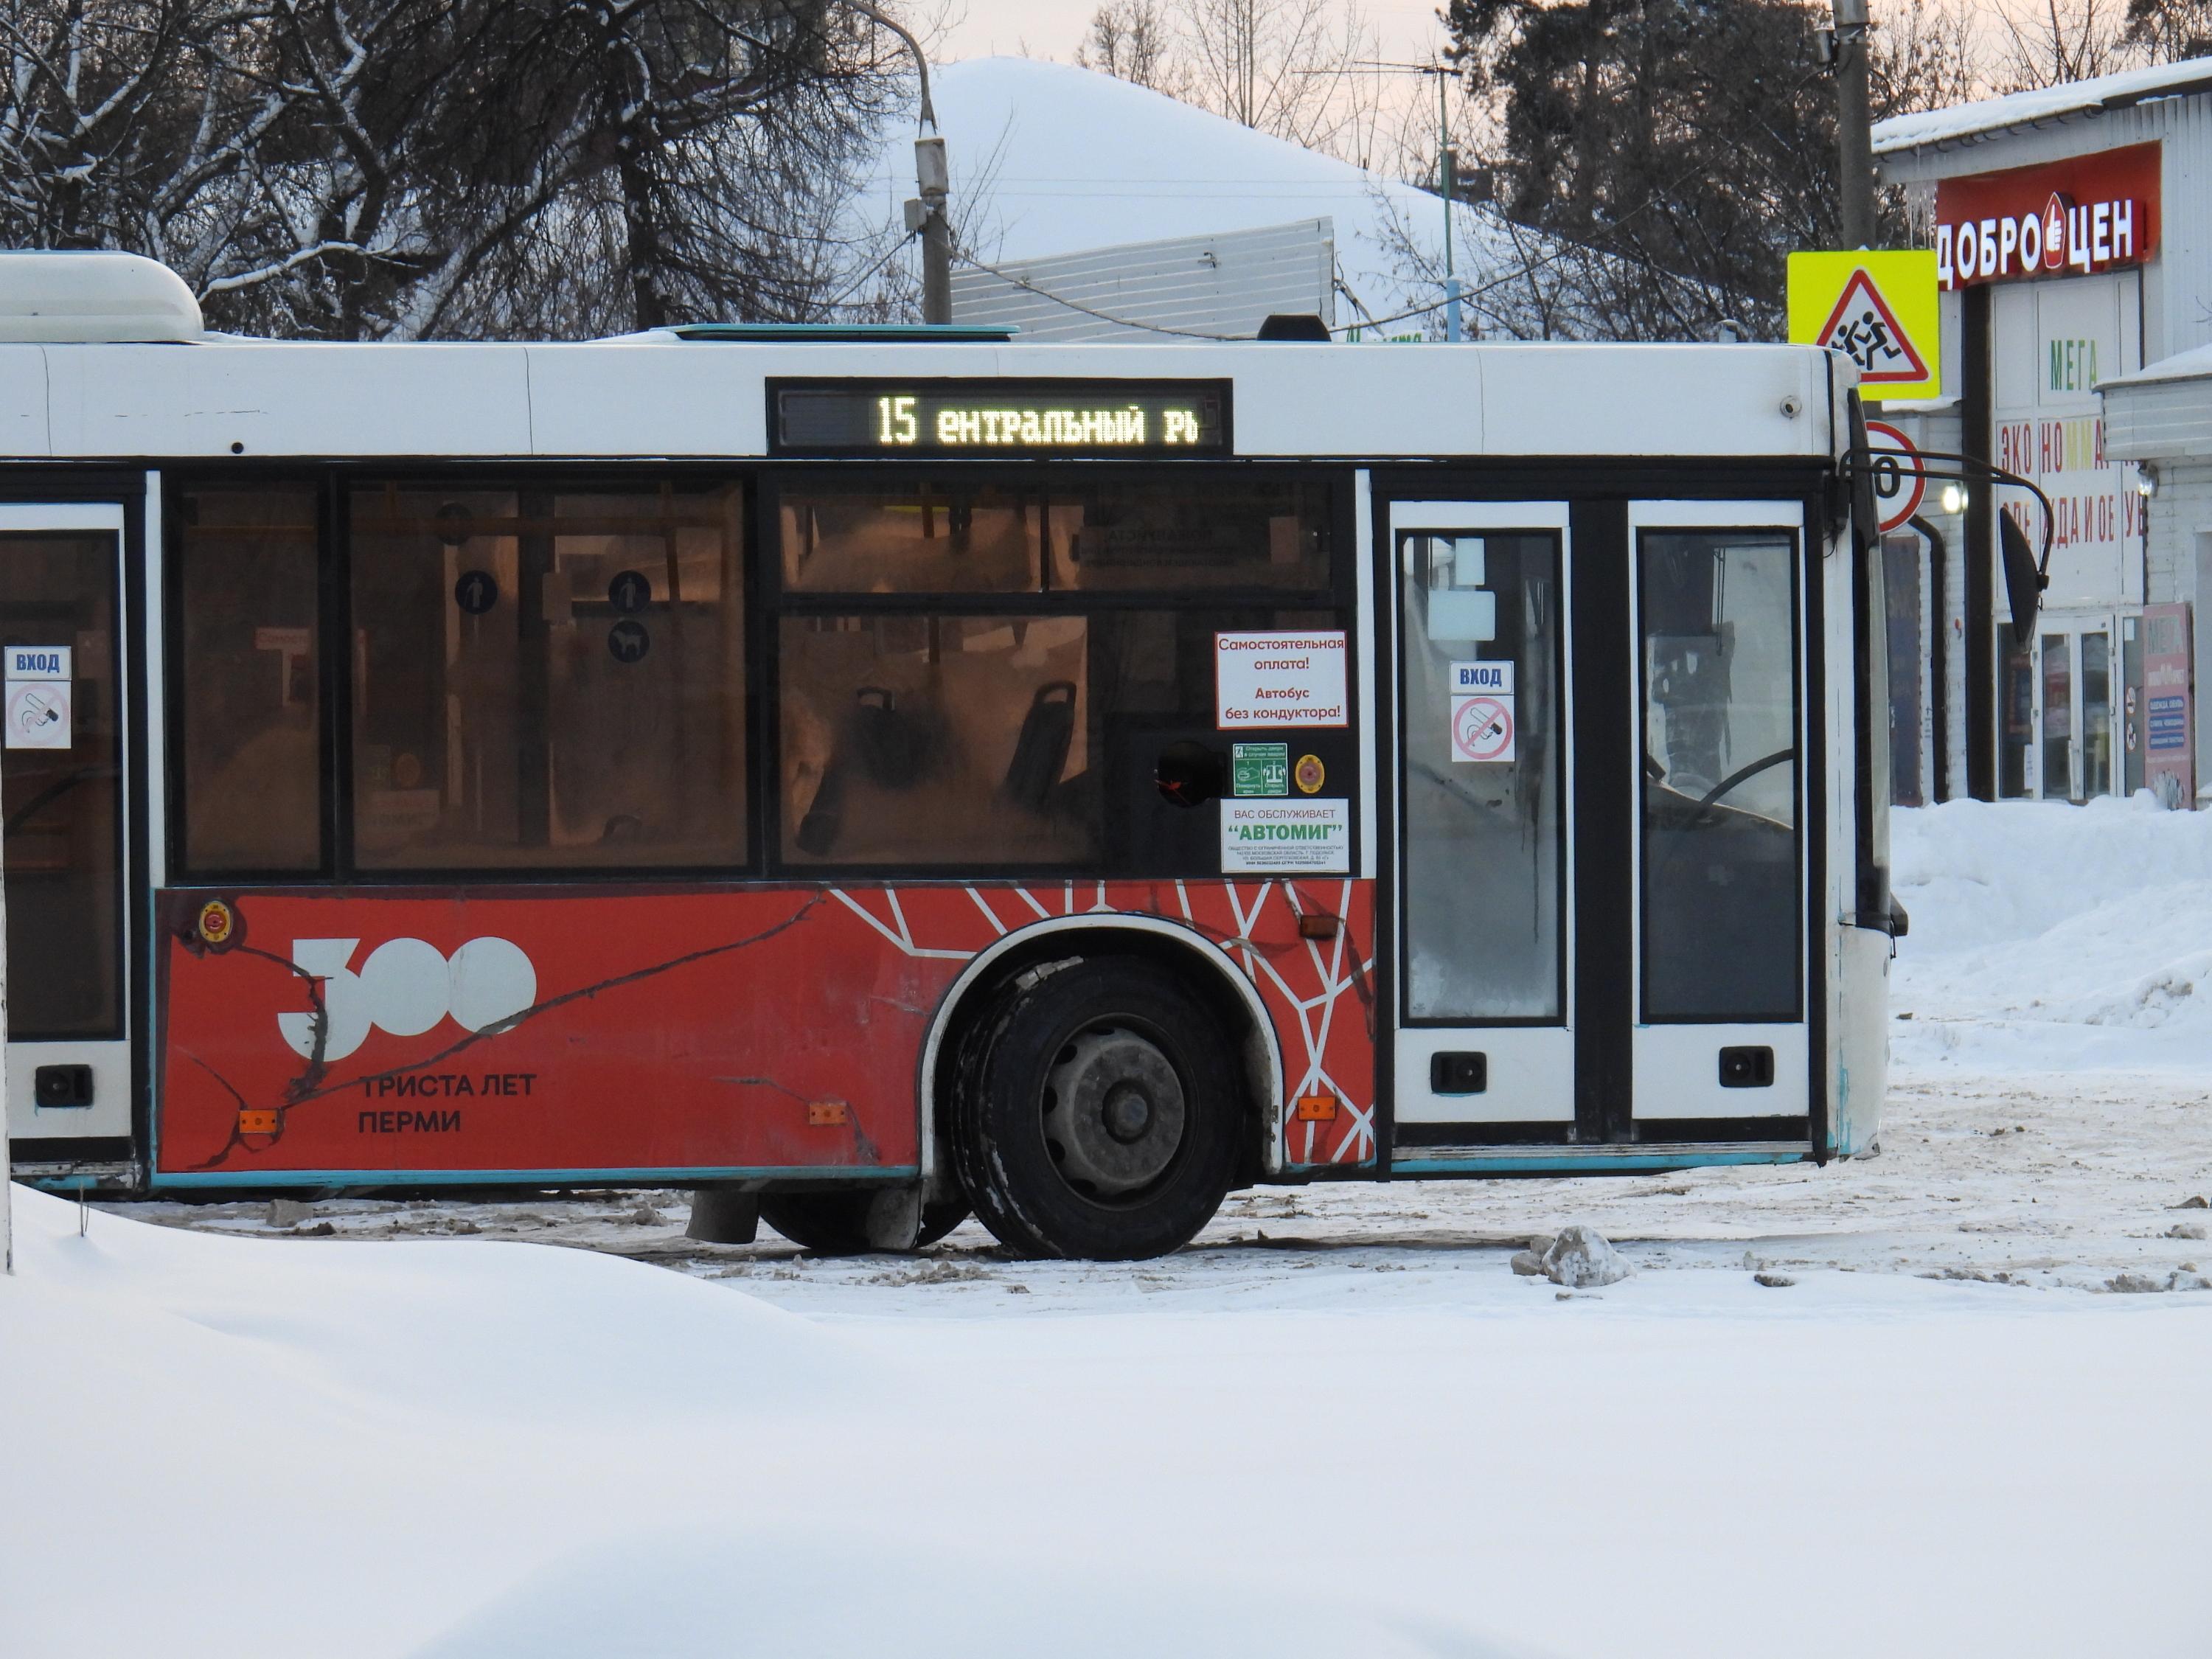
point(467, 1449)
point(1047, 159)
point(2044, 934)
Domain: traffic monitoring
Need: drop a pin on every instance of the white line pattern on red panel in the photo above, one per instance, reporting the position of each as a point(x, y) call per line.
point(1358, 1140)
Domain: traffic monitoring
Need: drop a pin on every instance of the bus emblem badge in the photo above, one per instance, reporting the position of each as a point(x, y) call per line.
point(216, 924)
point(1310, 774)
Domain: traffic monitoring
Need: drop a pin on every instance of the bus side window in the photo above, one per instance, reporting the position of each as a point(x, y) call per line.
point(245, 559)
point(549, 678)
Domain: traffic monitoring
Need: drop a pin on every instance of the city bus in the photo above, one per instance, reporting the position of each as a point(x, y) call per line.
point(875, 776)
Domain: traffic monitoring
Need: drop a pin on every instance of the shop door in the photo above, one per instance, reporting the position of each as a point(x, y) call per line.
point(1601, 860)
point(2073, 756)
point(63, 799)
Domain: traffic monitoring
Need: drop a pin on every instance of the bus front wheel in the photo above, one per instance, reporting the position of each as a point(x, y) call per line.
point(1097, 1106)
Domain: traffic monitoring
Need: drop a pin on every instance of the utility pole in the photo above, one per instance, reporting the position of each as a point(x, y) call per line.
point(931, 176)
point(1854, 124)
point(1447, 166)
point(927, 213)
point(1444, 160)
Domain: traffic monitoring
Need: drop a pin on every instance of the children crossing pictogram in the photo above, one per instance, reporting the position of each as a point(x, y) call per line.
point(1864, 328)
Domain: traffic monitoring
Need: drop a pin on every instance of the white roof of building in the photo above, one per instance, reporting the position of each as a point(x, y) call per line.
point(2194, 365)
point(1963, 123)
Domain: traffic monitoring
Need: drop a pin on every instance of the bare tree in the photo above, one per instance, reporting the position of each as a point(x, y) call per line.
point(2049, 43)
point(1926, 54)
point(2169, 30)
point(1286, 67)
point(1133, 40)
point(363, 168)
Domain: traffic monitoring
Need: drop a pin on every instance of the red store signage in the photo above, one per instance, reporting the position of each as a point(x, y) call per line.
point(2066, 218)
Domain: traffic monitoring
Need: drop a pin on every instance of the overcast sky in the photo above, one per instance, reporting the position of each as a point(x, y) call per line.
point(1053, 28)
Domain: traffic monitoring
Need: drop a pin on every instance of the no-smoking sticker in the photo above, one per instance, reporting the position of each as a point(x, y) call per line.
point(1482, 728)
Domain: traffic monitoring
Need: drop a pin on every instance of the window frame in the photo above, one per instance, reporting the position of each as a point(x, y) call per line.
point(766, 605)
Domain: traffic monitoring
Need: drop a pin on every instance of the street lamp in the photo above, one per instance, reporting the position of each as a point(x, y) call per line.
point(925, 214)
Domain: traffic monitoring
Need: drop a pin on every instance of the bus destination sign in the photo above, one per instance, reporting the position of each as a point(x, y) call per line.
point(953, 417)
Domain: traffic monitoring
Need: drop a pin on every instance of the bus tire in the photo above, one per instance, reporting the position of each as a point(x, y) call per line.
point(1096, 1111)
point(836, 1223)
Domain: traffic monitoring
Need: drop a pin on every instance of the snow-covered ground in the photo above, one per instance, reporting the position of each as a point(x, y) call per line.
point(1338, 1424)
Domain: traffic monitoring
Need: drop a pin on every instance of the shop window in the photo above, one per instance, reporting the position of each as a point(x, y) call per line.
point(908, 538)
point(1213, 532)
point(547, 677)
point(246, 585)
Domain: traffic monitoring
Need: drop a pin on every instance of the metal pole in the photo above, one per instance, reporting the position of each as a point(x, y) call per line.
point(1444, 170)
point(929, 173)
point(929, 213)
point(1854, 135)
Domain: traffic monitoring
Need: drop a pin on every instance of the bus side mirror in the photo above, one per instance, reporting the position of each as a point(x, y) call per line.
point(1866, 515)
point(2023, 582)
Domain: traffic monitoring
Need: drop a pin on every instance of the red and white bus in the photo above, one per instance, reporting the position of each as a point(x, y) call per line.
point(896, 773)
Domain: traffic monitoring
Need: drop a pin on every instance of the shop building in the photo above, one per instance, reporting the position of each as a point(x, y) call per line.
point(2073, 234)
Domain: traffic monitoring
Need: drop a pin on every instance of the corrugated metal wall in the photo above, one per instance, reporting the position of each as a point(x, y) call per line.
point(1222, 286)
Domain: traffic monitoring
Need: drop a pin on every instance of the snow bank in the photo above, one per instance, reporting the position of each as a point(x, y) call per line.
point(2045, 935)
point(496, 1448)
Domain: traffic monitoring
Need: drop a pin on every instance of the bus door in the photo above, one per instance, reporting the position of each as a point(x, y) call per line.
point(1485, 1049)
point(61, 799)
point(1721, 1049)
point(1600, 864)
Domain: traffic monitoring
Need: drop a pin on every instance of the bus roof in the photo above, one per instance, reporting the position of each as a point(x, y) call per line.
point(663, 397)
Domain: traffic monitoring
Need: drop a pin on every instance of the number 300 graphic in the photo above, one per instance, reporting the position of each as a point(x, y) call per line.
point(405, 988)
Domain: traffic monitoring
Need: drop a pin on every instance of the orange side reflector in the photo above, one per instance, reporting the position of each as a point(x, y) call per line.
point(257, 1123)
point(1316, 1109)
point(829, 1114)
point(1315, 925)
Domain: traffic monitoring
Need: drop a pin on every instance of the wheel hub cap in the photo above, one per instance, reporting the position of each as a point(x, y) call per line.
point(1113, 1111)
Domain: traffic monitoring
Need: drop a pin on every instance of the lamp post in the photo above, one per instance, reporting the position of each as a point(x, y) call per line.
point(927, 211)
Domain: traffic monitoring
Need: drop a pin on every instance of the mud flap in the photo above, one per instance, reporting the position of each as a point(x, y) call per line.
point(895, 1219)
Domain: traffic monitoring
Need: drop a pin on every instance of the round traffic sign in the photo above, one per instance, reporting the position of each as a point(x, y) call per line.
point(1900, 478)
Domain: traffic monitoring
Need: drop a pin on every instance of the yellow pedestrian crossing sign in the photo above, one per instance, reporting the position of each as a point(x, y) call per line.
point(1879, 310)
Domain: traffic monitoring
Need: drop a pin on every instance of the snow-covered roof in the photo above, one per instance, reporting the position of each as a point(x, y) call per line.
point(1962, 122)
point(2193, 365)
point(1047, 159)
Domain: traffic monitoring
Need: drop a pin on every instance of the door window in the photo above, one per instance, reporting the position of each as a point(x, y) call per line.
point(2057, 717)
point(2096, 713)
point(60, 787)
point(1481, 616)
point(1722, 921)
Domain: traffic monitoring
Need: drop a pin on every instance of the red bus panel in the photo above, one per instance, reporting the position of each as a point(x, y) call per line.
point(614, 1032)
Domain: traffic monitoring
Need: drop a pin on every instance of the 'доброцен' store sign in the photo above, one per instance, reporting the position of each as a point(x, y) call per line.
point(2069, 218)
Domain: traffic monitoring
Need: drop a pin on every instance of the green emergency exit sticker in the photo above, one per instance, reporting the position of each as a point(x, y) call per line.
point(1261, 768)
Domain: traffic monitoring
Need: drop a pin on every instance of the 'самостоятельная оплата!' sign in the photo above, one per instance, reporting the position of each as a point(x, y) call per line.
point(1280, 678)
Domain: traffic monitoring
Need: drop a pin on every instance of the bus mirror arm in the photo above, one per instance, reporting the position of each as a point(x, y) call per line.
point(2027, 575)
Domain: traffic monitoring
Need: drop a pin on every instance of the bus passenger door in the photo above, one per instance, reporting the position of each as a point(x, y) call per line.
point(62, 796)
point(1483, 1052)
point(1720, 1045)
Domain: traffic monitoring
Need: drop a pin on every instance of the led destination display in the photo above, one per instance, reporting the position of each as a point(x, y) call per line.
point(1097, 417)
